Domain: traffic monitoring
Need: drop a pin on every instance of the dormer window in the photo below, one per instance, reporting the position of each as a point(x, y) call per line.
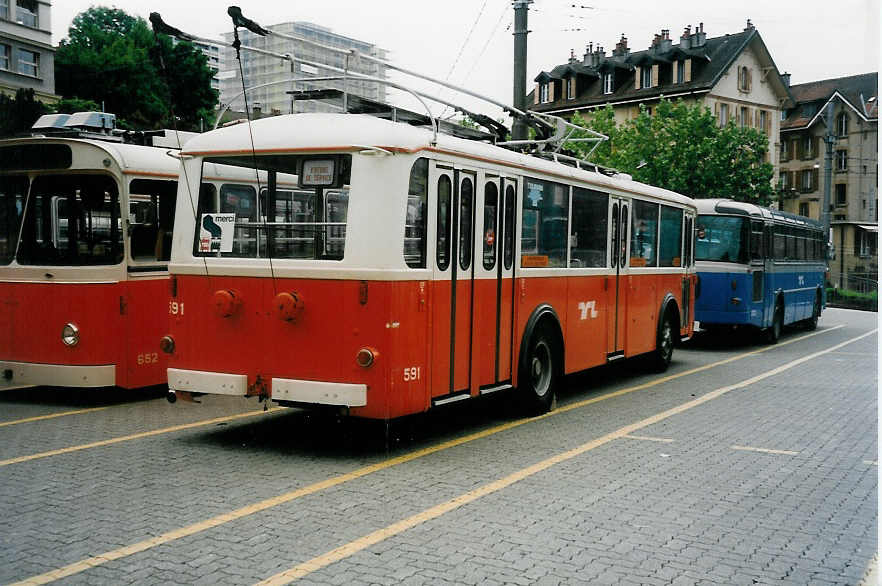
point(571, 88)
point(608, 79)
point(842, 124)
point(744, 79)
point(645, 77)
point(680, 72)
point(543, 93)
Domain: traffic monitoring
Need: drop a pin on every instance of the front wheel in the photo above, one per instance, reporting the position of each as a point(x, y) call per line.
point(660, 358)
point(538, 377)
point(812, 322)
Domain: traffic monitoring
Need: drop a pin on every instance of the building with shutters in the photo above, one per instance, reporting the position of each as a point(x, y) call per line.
point(854, 197)
point(733, 75)
point(27, 57)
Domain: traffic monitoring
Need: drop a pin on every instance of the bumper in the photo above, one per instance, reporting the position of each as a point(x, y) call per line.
point(283, 389)
point(57, 375)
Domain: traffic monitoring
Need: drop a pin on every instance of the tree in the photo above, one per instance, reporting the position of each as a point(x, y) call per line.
point(680, 147)
point(73, 105)
point(18, 114)
point(113, 59)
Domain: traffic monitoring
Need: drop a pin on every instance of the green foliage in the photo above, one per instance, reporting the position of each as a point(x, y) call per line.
point(680, 147)
point(18, 114)
point(73, 105)
point(113, 59)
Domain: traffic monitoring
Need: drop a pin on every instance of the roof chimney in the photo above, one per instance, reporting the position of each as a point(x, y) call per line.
point(700, 36)
point(785, 77)
point(686, 38)
point(621, 49)
point(664, 44)
point(586, 59)
point(749, 26)
point(573, 56)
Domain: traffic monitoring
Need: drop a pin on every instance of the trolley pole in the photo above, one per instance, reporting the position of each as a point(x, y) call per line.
point(521, 7)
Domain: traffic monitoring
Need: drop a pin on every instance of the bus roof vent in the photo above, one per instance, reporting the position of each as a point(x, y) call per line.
point(48, 121)
point(92, 121)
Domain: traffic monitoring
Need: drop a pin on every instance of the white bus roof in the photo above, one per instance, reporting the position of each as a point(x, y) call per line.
point(311, 132)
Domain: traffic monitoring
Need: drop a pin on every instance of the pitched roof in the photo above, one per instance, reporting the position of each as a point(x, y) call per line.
point(715, 56)
point(859, 91)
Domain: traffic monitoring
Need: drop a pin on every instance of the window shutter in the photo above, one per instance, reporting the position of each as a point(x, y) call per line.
point(637, 77)
point(792, 178)
point(536, 94)
point(749, 78)
point(551, 88)
point(768, 127)
point(814, 180)
point(798, 150)
point(816, 147)
point(655, 75)
point(688, 71)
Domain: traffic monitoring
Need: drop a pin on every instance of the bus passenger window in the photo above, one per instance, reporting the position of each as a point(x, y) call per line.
point(509, 228)
point(588, 238)
point(491, 198)
point(13, 190)
point(442, 246)
point(544, 231)
point(466, 237)
point(671, 237)
point(644, 234)
point(151, 219)
point(756, 240)
point(415, 216)
point(780, 243)
point(241, 200)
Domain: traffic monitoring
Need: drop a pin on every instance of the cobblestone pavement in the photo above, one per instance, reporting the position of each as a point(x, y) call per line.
point(737, 466)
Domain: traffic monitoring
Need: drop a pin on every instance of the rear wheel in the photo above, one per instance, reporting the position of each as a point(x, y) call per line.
point(773, 332)
point(537, 380)
point(812, 322)
point(660, 358)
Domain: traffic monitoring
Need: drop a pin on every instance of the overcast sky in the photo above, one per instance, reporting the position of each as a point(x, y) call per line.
point(469, 42)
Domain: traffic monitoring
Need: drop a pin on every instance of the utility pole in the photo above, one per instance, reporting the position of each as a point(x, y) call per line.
point(829, 140)
point(521, 7)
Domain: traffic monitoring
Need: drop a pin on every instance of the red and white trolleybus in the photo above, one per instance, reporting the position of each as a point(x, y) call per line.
point(85, 237)
point(408, 269)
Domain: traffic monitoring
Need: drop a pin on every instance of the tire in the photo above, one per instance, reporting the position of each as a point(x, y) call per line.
point(660, 358)
point(812, 322)
point(773, 332)
point(538, 377)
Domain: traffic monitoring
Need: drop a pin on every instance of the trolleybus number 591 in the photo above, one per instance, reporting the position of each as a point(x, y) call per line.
point(412, 373)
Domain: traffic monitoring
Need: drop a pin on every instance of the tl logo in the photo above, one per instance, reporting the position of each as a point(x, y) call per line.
point(584, 307)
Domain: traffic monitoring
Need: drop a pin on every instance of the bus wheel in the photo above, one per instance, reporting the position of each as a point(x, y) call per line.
point(812, 322)
point(773, 332)
point(538, 376)
point(660, 358)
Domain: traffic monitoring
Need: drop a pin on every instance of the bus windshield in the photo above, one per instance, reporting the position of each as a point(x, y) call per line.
point(722, 239)
point(63, 219)
point(270, 214)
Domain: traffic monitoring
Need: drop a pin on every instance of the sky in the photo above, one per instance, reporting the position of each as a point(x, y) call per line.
point(469, 42)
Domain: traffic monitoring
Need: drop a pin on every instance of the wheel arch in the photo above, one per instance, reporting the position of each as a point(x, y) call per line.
point(669, 303)
point(541, 315)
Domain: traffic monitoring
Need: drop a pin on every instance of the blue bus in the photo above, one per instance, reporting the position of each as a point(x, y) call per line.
point(757, 267)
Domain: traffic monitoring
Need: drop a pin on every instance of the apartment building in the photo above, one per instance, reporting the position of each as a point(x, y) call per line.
point(262, 69)
point(27, 57)
point(733, 75)
point(854, 197)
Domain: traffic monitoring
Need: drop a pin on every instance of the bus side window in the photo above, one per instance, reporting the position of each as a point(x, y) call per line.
point(151, 219)
point(491, 206)
point(588, 236)
point(756, 240)
point(508, 247)
point(671, 237)
point(644, 233)
point(241, 200)
point(415, 215)
point(466, 229)
point(442, 249)
point(544, 229)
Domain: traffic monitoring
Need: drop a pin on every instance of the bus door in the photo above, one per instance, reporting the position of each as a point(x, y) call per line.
point(453, 190)
point(757, 271)
point(620, 225)
point(493, 287)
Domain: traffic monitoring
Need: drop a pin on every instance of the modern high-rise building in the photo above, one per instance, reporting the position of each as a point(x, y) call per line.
point(214, 52)
point(262, 69)
point(27, 57)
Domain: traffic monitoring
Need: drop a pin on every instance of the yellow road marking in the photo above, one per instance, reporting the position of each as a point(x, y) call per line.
point(134, 436)
point(766, 450)
point(362, 543)
point(649, 439)
point(167, 537)
point(53, 416)
point(16, 388)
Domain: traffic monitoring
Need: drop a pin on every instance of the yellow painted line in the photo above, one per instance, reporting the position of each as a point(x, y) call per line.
point(140, 546)
point(765, 450)
point(370, 539)
point(53, 416)
point(649, 439)
point(128, 438)
point(17, 387)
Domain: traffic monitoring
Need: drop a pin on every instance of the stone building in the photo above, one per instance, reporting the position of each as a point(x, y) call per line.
point(854, 199)
point(733, 75)
point(27, 57)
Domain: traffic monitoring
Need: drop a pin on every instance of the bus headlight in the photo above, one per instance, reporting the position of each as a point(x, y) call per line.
point(70, 334)
point(366, 357)
point(167, 344)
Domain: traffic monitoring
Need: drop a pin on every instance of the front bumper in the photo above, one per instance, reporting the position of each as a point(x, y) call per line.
point(16, 374)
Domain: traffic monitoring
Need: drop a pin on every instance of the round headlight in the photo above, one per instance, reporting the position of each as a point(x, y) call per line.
point(70, 335)
point(365, 357)
point(167, 344)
